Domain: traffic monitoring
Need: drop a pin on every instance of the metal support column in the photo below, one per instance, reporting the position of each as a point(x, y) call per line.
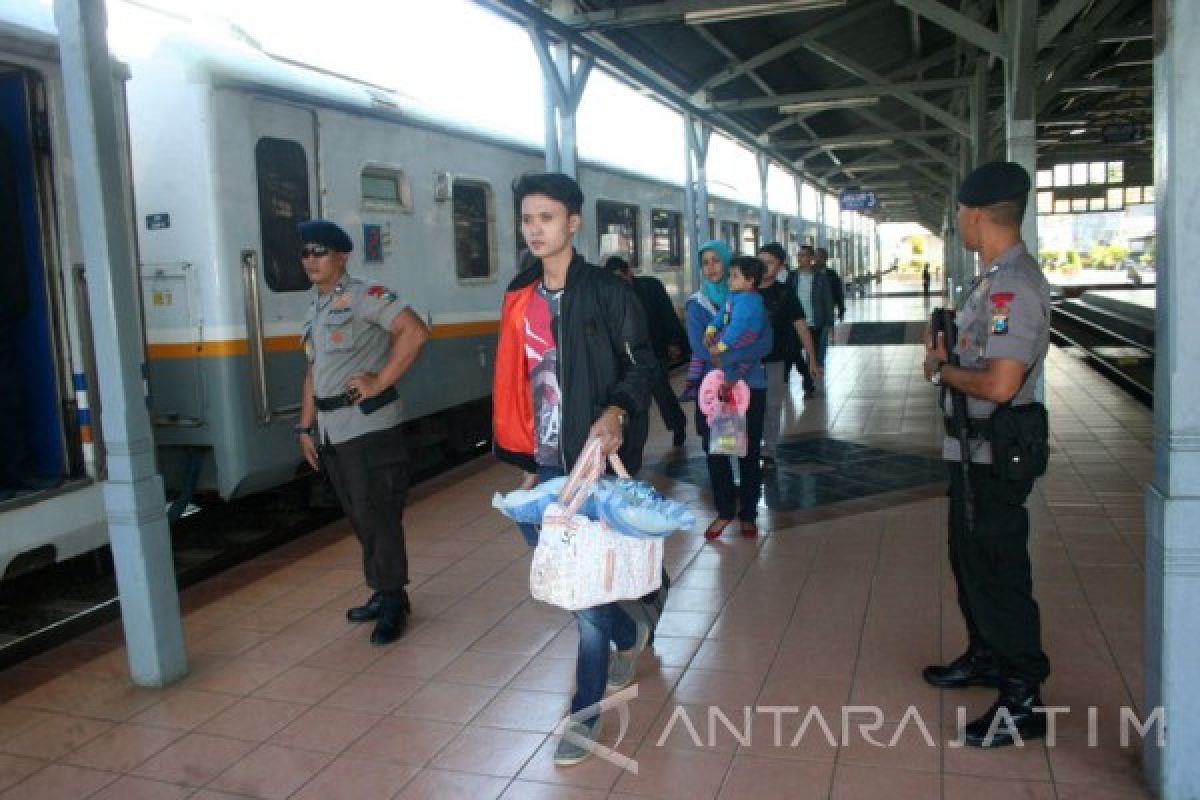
point(765, 233)
point(1019, 96)
point(563, 86)
point(133, 494)
point(698, 135)
point(1172, 626)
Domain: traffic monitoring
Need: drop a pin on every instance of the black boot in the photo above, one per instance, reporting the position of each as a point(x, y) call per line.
point(393, 616)
point(976, 667)
point(1024, 720)
point(366, 612)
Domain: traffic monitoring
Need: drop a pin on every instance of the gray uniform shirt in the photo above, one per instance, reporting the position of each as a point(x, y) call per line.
point(346, 332)
point(1005, 315)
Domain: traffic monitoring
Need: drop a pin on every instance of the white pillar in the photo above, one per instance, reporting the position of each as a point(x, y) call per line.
point(1172, 623)
point(133, 494)
point(1022, 149)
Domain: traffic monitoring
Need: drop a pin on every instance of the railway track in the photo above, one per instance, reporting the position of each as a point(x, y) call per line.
point(1119, 346)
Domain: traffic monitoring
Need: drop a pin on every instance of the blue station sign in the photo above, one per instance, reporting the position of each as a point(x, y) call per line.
point(857, 201)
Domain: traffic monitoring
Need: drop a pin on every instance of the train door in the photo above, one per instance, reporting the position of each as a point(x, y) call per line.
point(277, 290)
point(33, 433)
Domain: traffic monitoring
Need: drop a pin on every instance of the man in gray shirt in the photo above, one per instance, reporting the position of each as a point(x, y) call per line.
point(359, 339)
point(1003, 335)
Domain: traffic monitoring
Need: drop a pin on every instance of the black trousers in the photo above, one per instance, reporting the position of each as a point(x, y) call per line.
point(992, 571)
point(369, 473)
point(728, 497)
point(668, 404)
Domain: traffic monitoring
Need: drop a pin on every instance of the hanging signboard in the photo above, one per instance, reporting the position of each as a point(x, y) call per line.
point(857, 201)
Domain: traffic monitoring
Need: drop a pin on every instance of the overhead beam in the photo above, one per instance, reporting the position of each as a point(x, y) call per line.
point(1051, 25)
point(795, 43)
point(679, 11)
point(959, 24)
point(845, 93)
point(863, 72)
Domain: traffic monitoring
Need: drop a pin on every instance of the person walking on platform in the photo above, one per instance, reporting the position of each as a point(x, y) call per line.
point(667, 337)
point(702, 308)
point(573, 361)
point(359, 339)
point(815, 293)
point(836, 287)
point(1000, 348)
point(788, 326)
point(925, 278)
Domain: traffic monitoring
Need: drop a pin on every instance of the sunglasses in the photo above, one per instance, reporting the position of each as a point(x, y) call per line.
point(314, 251)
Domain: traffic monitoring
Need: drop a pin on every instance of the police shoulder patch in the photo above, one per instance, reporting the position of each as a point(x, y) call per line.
point(999, 324)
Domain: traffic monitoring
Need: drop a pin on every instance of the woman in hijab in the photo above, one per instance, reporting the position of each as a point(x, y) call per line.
point(701, 308)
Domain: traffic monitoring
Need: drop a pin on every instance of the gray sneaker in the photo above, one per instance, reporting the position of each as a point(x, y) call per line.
point(570, 751)
point(622, 664)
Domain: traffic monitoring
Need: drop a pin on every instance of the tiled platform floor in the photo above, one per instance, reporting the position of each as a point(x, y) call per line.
point(833, 607)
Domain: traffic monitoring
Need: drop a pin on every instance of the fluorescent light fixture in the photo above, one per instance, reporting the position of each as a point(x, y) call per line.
point(860, 143)
point(734, 11)
point(811, 106)
point(1078, 131)
point(870, 167)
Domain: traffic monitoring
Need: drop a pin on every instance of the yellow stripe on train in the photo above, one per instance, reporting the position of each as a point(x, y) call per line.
point(291, 343)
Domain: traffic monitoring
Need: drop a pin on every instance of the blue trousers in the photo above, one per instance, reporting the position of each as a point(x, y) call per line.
point(597, 628)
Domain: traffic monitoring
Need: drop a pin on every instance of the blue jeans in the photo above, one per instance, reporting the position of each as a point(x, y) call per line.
point(597, 628)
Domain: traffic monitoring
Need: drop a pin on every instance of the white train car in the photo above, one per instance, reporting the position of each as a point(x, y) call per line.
point(50, 501)
point(231, 148)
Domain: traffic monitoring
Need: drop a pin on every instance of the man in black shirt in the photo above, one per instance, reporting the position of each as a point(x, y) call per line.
point(667, 338)
point(787, 324)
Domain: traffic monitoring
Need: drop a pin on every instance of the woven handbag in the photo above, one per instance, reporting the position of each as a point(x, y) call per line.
point(582, 563)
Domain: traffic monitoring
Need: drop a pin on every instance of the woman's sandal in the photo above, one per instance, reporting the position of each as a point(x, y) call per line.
point(749, 530)
point(717, 527)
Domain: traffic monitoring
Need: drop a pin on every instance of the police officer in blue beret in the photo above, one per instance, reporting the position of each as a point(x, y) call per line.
point(1003, 330)
point(359, 339)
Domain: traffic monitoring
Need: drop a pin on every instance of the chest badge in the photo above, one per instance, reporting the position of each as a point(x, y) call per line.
point(1000, 304)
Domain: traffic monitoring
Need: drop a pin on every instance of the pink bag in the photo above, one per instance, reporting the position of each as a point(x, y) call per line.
point(710, 394)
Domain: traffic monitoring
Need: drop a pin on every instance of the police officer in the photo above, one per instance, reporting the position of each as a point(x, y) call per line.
point(1003, 335)
point(359, 340)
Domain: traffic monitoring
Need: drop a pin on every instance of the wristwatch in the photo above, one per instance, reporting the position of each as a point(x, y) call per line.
point(936, 376)
point(301, 430)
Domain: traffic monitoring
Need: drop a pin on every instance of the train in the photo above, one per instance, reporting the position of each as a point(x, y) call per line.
point(228, 148)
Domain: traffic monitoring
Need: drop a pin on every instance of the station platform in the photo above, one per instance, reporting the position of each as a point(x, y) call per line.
point(833, 611)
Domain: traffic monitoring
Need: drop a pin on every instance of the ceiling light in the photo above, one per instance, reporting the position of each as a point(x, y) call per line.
point(735, 11)
point(824, 105)
point(1078, 131)
point(859, 143)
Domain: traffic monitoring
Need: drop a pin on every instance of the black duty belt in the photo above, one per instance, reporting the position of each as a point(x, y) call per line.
point(976, 428)
point(368, 406)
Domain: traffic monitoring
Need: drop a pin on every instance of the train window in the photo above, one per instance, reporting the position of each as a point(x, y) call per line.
point(282, 205)
point(385, 189)
point(729, 234)
point(617, 224)
point(668, 239)
point(749, 240)
point(473, 230)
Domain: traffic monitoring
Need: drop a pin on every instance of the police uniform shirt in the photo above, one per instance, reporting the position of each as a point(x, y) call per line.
point(348, 331)
point(1005, 315)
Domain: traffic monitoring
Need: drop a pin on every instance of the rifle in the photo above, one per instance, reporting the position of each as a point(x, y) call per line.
point(943, 322)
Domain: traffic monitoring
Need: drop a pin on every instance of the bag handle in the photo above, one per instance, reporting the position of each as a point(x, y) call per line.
point(587, 470)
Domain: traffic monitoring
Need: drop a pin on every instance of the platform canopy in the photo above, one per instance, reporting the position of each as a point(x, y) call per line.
point(877, 94)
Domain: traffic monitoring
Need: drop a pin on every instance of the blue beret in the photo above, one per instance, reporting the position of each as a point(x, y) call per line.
point(994, 182)
point(330, 234)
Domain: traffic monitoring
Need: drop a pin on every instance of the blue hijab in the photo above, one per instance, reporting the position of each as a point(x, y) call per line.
point(717, 292)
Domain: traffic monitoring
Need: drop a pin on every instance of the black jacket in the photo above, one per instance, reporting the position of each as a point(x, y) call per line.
point(604, 358)
point(662, 319)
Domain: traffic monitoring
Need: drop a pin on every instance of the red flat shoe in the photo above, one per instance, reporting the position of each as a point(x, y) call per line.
point(749, 530)
point(717, 527)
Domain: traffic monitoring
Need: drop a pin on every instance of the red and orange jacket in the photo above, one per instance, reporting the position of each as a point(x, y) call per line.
point(604, 359)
